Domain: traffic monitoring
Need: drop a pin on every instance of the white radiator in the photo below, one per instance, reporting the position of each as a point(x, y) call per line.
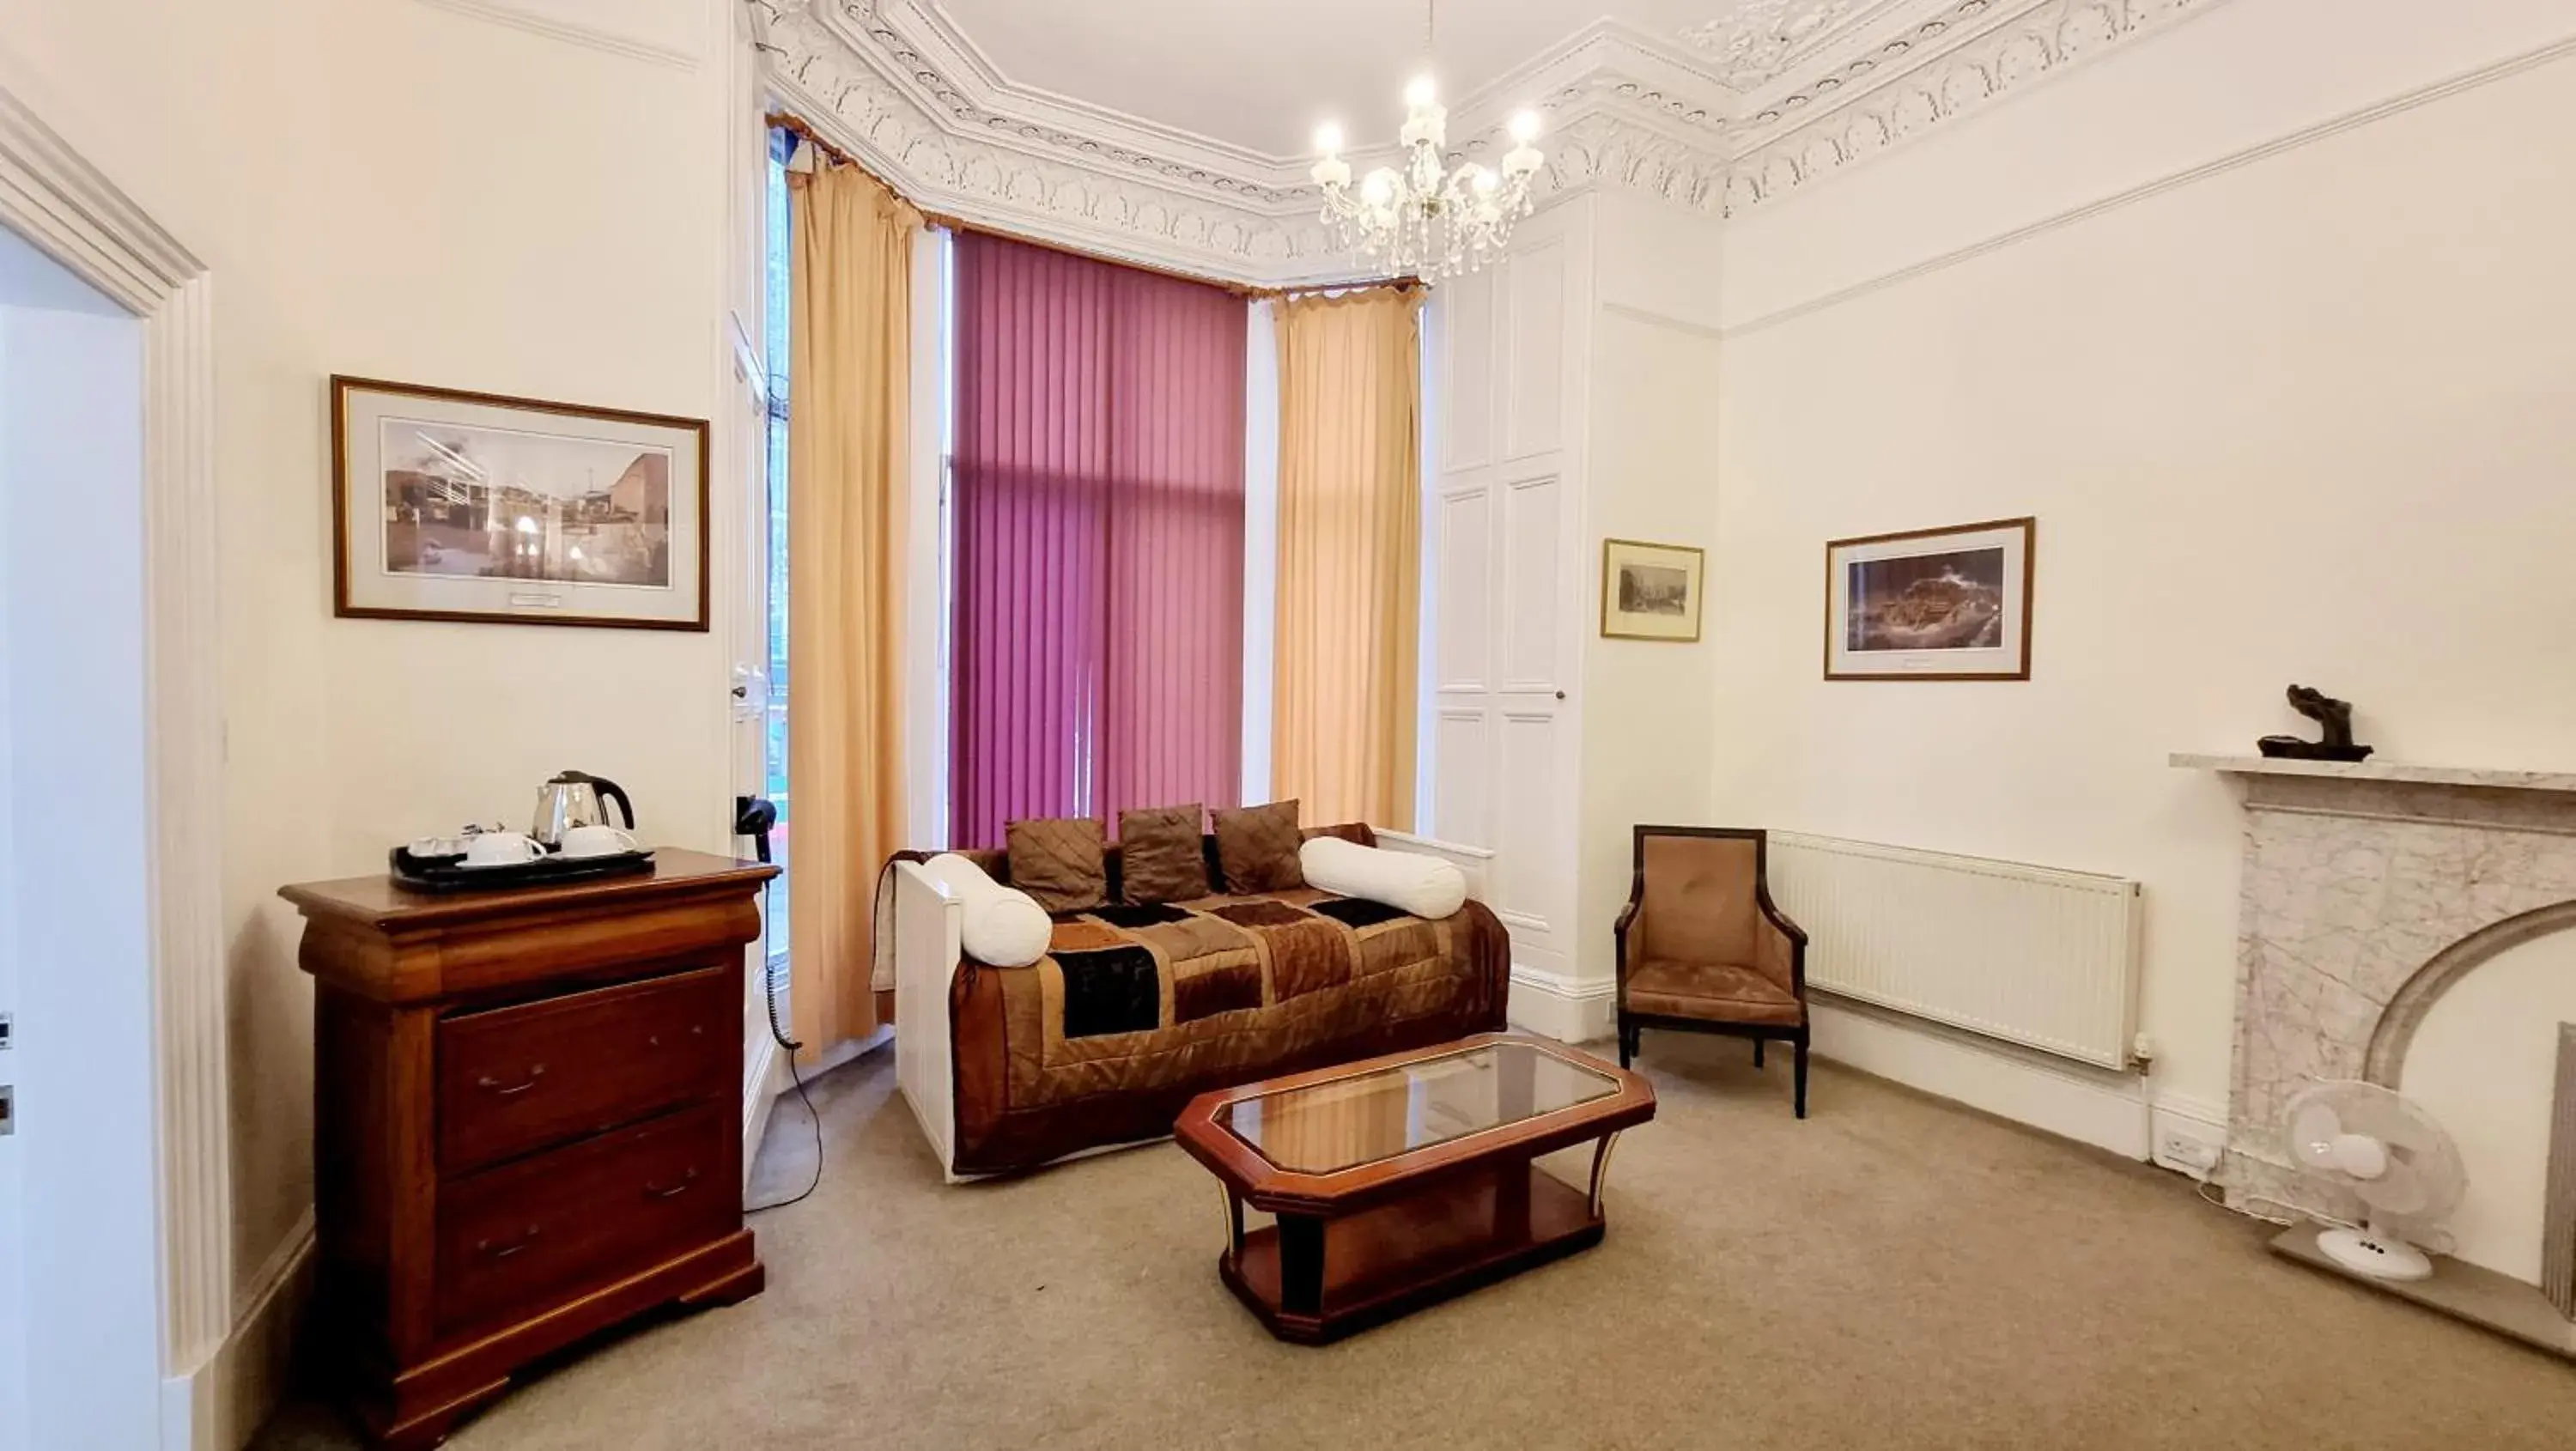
point(2035, 956)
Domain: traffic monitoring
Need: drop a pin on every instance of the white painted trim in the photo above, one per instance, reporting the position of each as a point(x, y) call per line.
point(761, 1081)
point(1652, 318)
point(2279, 145)
point(2107, 1110)
point(1566, 1008)
point(595, 37)
point(1260, 543)
point(78, 216)
point(926, 554)
point(250, 1375)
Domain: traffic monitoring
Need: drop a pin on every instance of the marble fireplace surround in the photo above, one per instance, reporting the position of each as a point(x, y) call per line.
point(2369, 890)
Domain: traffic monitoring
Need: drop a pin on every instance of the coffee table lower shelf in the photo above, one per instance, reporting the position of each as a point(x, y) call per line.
point(1314, 1280)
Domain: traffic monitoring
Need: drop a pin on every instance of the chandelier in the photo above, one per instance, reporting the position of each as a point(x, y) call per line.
point(1424, 218)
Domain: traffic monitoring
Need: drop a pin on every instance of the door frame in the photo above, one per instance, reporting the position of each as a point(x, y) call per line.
point(74, 213)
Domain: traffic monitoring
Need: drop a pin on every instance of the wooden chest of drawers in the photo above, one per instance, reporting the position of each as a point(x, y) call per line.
point(527, 1123)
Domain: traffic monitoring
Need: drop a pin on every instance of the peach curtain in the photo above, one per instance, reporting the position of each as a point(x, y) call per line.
point(850, 377)
point(1350, 530)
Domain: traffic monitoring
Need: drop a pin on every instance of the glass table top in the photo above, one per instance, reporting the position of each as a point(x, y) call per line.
point(1347, 1122)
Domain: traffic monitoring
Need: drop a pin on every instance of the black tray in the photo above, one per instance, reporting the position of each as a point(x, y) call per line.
point(450, 874)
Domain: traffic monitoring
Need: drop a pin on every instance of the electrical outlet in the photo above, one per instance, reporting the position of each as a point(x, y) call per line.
point(2189, 1148)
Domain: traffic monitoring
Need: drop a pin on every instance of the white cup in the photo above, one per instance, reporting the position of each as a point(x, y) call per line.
point(500, 849)
point(597, 840)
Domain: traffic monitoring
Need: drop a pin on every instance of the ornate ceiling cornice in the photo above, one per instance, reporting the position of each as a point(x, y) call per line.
point(1933, 68)
point(898, 85)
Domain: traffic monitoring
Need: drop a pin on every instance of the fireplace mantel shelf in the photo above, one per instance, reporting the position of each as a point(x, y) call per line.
point(2560, 781)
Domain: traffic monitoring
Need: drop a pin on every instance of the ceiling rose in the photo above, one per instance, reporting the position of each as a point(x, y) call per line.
point(1423, 218)
point(1752, 43)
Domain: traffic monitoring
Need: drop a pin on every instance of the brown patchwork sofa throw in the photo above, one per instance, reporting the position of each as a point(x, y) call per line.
point(1138, 1006)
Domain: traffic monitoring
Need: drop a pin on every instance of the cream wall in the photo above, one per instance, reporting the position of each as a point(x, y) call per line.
point(2301, 418)
point(1649, 706)
point(420, 192)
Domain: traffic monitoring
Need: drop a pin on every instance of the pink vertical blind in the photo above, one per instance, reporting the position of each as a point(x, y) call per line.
point(1098, 478)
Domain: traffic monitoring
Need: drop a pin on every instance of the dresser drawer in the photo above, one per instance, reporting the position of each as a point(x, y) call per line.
point(513, 1080)
point(512, 1239)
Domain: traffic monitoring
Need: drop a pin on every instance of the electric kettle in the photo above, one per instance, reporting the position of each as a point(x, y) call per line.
point(573, 798)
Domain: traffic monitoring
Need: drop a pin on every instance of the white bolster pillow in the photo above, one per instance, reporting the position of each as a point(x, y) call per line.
point(1425, 886)
point(1004, 926)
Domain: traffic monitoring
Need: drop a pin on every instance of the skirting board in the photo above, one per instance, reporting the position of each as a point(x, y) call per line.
point(1568, 1009)
point(2106, 1110)
point(763, 1076)
point(236, 1390)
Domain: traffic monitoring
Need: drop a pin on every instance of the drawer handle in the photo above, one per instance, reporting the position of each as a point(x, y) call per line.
point(489, 1250)
point(492, 1085)
point(658, 1191)
point(696, 1030)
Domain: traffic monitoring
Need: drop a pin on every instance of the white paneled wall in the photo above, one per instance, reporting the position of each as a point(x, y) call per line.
point(1570, 406)
point(1507, 574)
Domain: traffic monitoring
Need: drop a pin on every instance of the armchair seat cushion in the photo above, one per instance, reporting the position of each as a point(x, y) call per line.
point(1721, 992)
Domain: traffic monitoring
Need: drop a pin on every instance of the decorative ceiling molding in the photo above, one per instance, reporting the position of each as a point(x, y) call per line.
point(1972, 53)
point(897, 84)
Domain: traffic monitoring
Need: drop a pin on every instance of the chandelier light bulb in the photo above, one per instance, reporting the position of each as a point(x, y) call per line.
point(1423, 217)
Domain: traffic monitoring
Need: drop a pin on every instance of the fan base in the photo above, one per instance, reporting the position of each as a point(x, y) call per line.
point(2380, 1256)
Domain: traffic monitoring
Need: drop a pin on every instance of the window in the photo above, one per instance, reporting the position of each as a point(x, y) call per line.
point(775, 345)
point(1097, 517)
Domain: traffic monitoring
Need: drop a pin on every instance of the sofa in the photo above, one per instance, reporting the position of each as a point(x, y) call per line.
point(1135, 1010)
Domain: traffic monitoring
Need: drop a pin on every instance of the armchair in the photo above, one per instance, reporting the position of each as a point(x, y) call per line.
point(1702, 948)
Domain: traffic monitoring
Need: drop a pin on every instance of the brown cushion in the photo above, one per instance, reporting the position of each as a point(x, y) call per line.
point(1163, 858)
point(1057, 862)
point(1257, 848)
point(1715, 992)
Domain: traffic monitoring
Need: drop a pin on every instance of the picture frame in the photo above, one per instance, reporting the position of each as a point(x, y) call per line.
point(1932, 604)
point(483, 508)
point(1651, 591)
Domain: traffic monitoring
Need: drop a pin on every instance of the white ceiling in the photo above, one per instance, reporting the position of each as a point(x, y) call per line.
point(1259, 74)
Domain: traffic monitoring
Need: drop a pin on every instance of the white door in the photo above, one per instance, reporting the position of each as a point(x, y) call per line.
point(1507, 575)
point(80, 1330)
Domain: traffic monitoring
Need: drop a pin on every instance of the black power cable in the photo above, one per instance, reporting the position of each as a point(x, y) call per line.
point(756, 817)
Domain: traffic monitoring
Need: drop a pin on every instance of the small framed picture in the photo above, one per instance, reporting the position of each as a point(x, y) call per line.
point(1649, 591)
point(449, 505)
point(1931, 604)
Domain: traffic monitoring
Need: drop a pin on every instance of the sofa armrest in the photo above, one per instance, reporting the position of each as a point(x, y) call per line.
point(1472, 862)
point(927, 944)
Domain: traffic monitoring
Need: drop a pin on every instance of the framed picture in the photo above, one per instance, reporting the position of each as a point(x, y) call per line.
point(1649, 591)
point(470, 506)
point(1932, 604)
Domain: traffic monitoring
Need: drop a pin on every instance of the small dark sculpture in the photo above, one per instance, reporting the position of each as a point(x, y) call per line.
point(2335, 715)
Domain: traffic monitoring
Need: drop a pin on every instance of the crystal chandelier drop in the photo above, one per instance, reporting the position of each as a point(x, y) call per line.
point(1422, 218)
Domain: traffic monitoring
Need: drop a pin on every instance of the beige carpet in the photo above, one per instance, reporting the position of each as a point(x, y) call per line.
point(1894, 1272)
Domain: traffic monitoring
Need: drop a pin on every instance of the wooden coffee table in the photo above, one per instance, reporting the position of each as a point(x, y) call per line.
point(1401, 1181)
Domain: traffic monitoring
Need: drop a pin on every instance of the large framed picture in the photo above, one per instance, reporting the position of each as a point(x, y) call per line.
point(1649, 591)
point(449, 505)
point(1931, 604)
